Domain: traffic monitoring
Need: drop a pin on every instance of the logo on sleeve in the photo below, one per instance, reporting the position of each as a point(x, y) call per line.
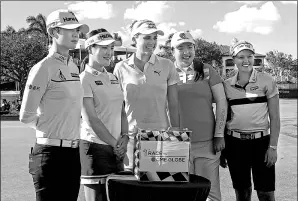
point(75, 75)
point(114, 82)
point(98, 82)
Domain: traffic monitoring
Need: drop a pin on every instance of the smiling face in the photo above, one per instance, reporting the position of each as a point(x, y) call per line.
point(244, 61)
point(68, 38)
point(184, 54)
point(146, 43)
point(103, 54)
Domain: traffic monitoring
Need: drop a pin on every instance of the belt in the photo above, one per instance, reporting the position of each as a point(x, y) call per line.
point(247, 135)
point(58, 142)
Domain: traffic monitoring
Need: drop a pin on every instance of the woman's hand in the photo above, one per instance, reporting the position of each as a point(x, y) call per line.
point(121, 146)
point(218, 144)
point(270, 157)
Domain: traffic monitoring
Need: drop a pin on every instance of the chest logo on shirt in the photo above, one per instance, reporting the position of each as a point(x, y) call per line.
point(114, 82)
point(157, 72)
point(254, 88)
point(61, 76)
point(75, 75)
point(98, 82)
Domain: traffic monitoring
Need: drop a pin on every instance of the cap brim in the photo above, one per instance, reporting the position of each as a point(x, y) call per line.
point(83, 27)
point(105, 42)
point(244, 48)
point(150, 31)
point(183, 41)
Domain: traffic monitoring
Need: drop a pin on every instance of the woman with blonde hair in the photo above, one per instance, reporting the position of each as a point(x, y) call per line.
point(250, 146)
point(149, 84)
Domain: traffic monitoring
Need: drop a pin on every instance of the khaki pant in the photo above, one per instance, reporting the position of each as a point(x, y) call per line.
point(128, 159)
point(205, 163)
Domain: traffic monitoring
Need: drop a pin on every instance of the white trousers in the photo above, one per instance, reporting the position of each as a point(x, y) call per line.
point(205, 163)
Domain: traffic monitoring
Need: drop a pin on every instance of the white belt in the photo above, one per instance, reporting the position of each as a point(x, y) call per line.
point(58, 142)
point(247, 135)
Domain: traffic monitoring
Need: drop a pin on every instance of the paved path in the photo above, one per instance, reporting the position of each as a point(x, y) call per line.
point(16, 183)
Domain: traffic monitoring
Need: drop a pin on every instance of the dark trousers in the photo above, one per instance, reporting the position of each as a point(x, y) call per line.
point(56, 172)
point(246, 157)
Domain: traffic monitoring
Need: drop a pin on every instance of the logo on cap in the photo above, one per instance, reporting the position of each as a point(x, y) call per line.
point(66, 19)
point(183, 36)
point(151, 25)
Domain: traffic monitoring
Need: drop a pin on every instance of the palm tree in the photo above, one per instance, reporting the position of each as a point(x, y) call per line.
point(38, 24)
point(8, 31)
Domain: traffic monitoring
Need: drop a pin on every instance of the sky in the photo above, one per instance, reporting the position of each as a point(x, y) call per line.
point(268, 25)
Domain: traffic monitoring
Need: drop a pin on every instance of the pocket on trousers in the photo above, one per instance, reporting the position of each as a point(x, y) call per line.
point(35, 163)
point(85, 147)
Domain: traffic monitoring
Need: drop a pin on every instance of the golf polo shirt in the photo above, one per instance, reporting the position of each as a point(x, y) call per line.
point(195, 102)
point(107, 96)
point(249, 108)
point(145, 93)
point(52, 98)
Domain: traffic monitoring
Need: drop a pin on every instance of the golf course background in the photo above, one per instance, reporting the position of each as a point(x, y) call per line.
point(17, 138)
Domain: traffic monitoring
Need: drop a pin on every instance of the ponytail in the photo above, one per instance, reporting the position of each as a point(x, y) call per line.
point(84, 62)
point(199, 69)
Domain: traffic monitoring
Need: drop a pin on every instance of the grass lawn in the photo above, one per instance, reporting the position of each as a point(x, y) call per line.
point(16, 140)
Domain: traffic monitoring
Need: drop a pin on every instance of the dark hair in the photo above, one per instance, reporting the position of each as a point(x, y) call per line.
point(197, 64)
point(199, 69)
point(89, 35)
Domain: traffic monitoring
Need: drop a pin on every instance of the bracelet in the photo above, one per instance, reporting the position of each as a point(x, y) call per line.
point(273, 147)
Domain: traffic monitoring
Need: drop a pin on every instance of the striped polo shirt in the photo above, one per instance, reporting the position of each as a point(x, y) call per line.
point(248, 104)
point(195, 102)
point(107, 96)
point(145, 93)
point(52, 98)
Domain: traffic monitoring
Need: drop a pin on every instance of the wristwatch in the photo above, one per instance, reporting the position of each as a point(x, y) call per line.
point(273, 147)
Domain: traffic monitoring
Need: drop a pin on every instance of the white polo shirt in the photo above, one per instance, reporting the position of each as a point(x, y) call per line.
point(108, 99)
point(52, 98)
point(145, 93)
point(249, 108)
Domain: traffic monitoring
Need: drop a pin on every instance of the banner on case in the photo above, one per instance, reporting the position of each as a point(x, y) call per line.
point(162, 155)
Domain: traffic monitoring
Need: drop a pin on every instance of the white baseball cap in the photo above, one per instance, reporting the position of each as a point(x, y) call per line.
point(65, 19)
point(145, 27)
point(238, 46)
point(181, 37)
point(104, 38)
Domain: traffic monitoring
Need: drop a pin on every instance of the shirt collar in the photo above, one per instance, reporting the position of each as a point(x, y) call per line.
point(253, 77)
point(185, 70)
point(94, 71)
point(60, 58)
point(151, 60)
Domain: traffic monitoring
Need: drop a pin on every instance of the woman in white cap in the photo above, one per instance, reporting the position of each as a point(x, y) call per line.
point(104, 128)
point(52, 104)
point(149, 85)
point(250, 147)
point(198, 88)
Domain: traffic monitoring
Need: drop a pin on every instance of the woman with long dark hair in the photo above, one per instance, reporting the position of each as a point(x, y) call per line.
point(198, 88)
